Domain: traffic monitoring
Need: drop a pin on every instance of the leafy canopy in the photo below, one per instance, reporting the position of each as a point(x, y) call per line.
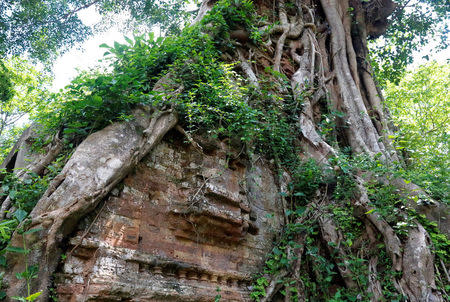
point(42, 28)
point(420, 107)
point(24, 92)
point(414, 24)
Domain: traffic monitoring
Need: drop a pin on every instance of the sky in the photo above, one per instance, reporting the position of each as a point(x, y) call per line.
point(85, 55)
point(89, 53)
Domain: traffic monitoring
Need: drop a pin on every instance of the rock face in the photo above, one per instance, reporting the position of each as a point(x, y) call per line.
point(182, 226)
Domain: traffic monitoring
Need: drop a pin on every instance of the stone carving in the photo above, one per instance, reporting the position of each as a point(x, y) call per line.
point(179, 227)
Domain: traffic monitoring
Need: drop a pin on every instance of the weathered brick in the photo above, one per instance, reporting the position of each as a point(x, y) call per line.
point(177, 231)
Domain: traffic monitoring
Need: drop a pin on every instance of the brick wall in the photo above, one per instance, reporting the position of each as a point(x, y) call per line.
point(183, 224)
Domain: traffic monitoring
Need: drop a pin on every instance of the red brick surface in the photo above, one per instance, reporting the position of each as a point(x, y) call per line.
point(176, 230)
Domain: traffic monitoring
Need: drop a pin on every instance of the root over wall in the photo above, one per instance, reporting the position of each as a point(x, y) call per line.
point(141, 216)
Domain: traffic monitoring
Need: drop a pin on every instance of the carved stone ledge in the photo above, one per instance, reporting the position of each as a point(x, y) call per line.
point(180, 226)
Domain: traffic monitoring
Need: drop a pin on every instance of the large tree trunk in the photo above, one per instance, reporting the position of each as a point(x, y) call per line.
point(321, 47)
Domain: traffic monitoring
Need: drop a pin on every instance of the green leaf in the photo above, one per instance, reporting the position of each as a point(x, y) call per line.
point(12, 194)
point(300, 210)
point(370, 211)
point(117, 45)
point(21, 275)
point(33, 296)
point(97, 100)
point(16, 249)
point(276, 251)
point(32, 231)
point(6, 223)
point(20, 215)
point(128, 40)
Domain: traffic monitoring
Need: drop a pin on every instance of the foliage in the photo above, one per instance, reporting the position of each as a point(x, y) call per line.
point(212, 98)
point(9, 138)
point(30, 272)
point(412, 25)
point(385, 200)
point(7, 227)
point(207, 93)
point(42, 28)
point(228, 15)
point(24, 194)
point(95, 99)
point(218, 296)
point(386, 275)
point(440, 241)
point(6, 92)
point(307, 177)
point(419, 106)
point(27, 96)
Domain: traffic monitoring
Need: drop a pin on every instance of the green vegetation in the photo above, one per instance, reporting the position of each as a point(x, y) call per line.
point(385, 200)
point(24, 94)
point(413, 25)
point(212, 98)
point(24, 195)
point(420, 108)
point(6, 85)
point(44, 29)
point(30, 272)
point(208, 92)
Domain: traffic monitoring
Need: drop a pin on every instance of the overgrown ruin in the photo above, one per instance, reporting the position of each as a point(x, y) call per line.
point(145, 211)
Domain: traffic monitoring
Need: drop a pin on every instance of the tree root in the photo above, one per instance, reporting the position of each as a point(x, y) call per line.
point(418, 269)
point(319, 73)
point(246, 67)
point(332, 235)
point(36, 166)
point(97, 165)
point(362, 134)
point(189, 138)
point(280, 43)
point(274, 286)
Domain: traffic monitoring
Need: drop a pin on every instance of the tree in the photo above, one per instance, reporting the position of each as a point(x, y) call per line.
point(26, 93)
point(41, 29)
point(286, 80)
point(5, 82)
point(412, 25)
point(420, 109)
